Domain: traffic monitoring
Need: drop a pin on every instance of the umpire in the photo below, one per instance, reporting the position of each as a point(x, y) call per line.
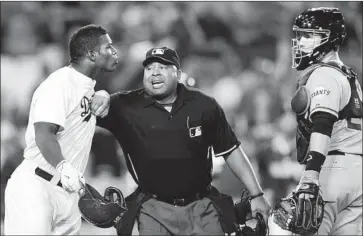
point(169, 134)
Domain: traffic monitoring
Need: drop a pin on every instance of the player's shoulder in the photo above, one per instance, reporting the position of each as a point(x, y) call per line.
point(59, 74)
point(330, 75)
point(328, 71)
point(55, 81)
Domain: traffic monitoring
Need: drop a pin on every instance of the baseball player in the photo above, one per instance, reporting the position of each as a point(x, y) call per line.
point(42, 194)
point(328, 104)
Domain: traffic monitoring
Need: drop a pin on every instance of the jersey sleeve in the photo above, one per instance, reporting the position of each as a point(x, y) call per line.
point(223, 139)
point(329, 91)
point(51, 104)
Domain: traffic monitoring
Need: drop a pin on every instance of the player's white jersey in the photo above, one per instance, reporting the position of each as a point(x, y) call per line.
point(330, 92)
point(63, 99)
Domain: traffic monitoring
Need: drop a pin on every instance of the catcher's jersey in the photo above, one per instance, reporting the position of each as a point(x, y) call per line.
point(330, 92)
point(63, 99)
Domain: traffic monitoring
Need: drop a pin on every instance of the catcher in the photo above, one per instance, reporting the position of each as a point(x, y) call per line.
point(328, 104)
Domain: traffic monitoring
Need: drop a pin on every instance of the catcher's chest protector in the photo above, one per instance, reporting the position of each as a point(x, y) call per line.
point(352, 110)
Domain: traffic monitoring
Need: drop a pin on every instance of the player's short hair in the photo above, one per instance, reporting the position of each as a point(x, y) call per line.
point(85, 39)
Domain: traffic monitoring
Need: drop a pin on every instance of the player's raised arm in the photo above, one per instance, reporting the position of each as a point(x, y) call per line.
point(103, 105)
point(100, 103)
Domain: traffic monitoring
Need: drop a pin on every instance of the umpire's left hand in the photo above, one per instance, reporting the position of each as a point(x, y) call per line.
point(100, 103)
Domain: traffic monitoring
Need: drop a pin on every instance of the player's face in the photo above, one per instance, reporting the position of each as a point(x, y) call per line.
point(160, 80)
point(309, 41)
point(107, 58)
point(304, 43)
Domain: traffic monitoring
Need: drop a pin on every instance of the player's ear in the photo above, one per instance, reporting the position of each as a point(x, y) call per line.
point(91, 55)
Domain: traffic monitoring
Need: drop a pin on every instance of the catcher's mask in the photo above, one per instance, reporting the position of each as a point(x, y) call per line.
point(317, 32)
point(244, 217)
point(102, 211)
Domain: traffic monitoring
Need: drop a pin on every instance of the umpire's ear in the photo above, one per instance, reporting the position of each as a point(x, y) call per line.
point(179, 73)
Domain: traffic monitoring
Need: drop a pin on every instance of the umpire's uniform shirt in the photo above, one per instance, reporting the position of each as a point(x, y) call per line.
point(169, 154)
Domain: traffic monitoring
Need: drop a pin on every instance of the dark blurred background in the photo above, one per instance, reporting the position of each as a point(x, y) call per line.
point(237, 52)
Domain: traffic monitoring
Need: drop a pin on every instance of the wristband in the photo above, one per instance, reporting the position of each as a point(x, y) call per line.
point(315, 161)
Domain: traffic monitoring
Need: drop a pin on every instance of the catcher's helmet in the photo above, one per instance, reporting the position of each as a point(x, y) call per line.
point(326, 22)
point(102, 211)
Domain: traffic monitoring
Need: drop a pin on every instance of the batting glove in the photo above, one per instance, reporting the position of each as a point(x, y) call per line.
point(72, 180)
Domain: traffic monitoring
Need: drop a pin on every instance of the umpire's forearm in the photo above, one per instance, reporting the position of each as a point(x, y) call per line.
point(240, 165)
point(49, 147)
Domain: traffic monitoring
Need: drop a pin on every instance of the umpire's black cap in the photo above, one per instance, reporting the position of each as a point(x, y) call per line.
point(163, 55)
